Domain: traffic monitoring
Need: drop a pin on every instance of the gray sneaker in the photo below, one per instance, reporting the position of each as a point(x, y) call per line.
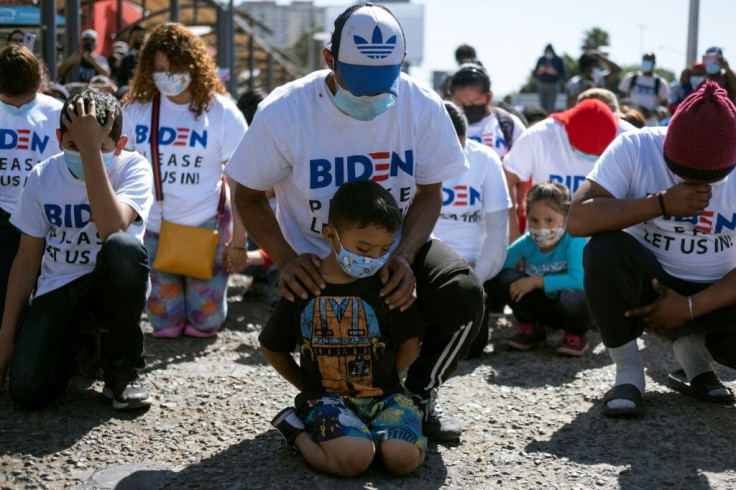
point(436, 423)
point(288, 425)
point(125, 390)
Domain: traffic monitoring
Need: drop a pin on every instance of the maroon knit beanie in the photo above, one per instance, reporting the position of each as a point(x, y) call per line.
point(700, 144)
point(590, 126)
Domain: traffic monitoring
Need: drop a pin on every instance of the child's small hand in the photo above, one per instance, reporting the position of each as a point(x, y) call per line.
point(83, 127)
point(520, 288)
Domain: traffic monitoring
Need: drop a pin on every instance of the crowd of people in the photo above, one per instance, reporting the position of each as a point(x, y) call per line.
point(385, 224)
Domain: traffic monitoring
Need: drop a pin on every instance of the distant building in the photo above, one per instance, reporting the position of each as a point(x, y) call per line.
point(286, 22)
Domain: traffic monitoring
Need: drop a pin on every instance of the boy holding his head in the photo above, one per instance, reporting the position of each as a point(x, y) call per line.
point(82, 215)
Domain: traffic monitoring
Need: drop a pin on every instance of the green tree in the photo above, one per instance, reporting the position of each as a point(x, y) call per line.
point(595, 38)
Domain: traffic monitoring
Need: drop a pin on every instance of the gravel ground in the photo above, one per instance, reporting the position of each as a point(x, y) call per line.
point(532, 421)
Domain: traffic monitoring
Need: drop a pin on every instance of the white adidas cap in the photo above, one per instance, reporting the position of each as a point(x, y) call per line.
point(371, 50)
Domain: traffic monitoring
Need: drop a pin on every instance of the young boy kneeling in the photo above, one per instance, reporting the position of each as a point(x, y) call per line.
point(82, 215)
point(352, 348)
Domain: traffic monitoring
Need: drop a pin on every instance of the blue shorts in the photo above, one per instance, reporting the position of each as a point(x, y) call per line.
point(378, 419)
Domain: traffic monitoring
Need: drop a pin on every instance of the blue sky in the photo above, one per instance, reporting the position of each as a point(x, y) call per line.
point(510, 35)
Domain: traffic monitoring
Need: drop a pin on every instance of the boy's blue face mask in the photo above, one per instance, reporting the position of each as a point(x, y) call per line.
point(73, 161)
point(358, 266)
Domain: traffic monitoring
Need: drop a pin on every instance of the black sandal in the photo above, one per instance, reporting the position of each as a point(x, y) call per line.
point(623, 392)
point(701, 386)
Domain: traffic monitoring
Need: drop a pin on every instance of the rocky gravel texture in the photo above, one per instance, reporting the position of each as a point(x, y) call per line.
point(532, 420)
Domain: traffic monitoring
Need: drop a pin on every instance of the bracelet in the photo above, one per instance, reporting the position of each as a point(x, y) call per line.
point(660, 197)
point(230, 245)
point(690, 306)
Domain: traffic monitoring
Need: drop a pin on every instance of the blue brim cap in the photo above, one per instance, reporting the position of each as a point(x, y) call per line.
point(363, 80)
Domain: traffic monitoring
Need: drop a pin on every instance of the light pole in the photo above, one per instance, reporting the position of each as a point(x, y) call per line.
point(692, 32)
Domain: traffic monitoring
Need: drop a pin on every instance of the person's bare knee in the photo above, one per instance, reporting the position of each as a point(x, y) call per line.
point(348, 456)
point(401, 457)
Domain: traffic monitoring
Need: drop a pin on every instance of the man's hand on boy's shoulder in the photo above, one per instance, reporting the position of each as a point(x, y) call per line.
point(83, 127)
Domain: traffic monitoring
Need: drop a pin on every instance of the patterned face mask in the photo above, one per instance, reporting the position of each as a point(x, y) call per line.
point(171, 84)
point(358, 266)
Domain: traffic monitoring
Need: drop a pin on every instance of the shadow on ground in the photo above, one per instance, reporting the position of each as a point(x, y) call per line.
point(237, 467)
point(592, 439)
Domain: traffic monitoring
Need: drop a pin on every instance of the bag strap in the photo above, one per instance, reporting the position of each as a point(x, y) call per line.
point(154, 148)
point(507, 125)
point(157, 184)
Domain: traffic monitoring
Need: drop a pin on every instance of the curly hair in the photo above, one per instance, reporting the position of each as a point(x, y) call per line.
point(185, 52)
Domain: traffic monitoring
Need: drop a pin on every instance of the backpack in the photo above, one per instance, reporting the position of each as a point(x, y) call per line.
point(507, 125)
point(657, 82)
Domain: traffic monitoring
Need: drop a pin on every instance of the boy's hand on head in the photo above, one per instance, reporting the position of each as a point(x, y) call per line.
point(83, 127)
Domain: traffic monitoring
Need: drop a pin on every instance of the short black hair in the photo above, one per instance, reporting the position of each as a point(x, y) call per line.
point(362, 203)
point(458, 118)
point(16, 31)
point(469, 75)
point(343, 18)
point(533, 113)
point(586, 60)
point(248, 103)
point(465, 53)
point(20, 72)
point(104, 103)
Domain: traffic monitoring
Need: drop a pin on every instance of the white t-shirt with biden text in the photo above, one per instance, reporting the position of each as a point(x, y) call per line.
point(544, 153)
point(488, 131)
point(303, 146)
point(192, 153)
point(25, 140)
point(468, 197)
point(54, 205)
point(699, 248)
point(643, 93)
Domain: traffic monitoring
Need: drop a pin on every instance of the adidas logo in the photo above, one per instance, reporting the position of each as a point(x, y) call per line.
point(376, 49)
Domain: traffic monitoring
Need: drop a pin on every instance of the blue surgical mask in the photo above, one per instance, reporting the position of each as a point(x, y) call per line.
point(647, 66)
point(586, 156)
point(358, 266)
point(712, 68)
point(695, 80)
point(19, 111)
point(364, 108)
point(73, 160)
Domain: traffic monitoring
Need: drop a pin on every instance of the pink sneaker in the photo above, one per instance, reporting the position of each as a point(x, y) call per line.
point(171, 332)
point(190, 331)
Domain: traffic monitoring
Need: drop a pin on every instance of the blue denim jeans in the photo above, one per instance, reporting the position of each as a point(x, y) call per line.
point(104, 305)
